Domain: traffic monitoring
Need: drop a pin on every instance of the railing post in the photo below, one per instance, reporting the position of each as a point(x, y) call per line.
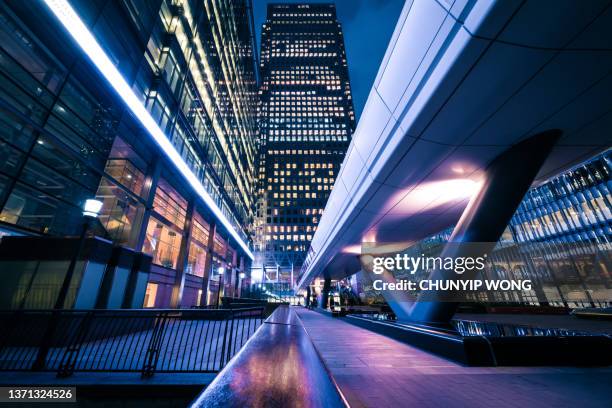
point(47, 340)
point(152, 356)
point(231, 336)
point(223, 350)
point(70, 357)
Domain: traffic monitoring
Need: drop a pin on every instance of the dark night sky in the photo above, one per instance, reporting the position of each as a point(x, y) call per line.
point(367, 26)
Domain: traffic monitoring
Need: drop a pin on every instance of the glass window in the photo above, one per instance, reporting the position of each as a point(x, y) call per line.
point(170, 205)
point(162, 243)
point(53, 183)
point(65, 165)
point(33, 209)
point(15, 131)
point(200, 229)
point(220, 246)
point(196, 261)
point(10, 159)
point(150, 295)
point(121, 213)
point(29, 55)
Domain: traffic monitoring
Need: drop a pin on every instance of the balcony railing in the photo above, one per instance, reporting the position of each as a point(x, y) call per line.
point(145, 341)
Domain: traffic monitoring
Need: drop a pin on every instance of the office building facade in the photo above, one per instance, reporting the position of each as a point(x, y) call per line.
point(68, 136)
point(306, 120)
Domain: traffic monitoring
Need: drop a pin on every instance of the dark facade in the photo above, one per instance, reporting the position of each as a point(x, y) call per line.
point(67, 136)
point(306, 120)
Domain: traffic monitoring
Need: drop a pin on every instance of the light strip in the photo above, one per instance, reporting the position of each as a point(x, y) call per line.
point(83, 37)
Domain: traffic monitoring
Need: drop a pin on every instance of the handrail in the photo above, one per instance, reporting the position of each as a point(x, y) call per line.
point(283, 369)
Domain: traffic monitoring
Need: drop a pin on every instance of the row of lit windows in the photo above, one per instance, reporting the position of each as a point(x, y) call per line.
point(311, 99)
point(298, 115)
point(302, 15)
point(305, 113)
point(304, 69)
point(304, 79)
point(312, 48)
point(302, 129)
point(303, 54)
point(306, 108)
point(308, 139)
point(306, 166)
point(293, 92)
point(290, 228)
point(319, 187)
point(299, 128)
point(302, 187)
point(323, 122)
point(289, 173)
point(308, 22)
point(302, 34)
point(306, 119)
point(324, 187)
point(300, 173)
point(302, 42)
point(300, 151)
point(295, 123)
point(299, 179)
point(294, 237)
point(306, 211)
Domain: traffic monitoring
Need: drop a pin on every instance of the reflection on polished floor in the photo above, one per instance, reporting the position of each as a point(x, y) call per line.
point(375, 371)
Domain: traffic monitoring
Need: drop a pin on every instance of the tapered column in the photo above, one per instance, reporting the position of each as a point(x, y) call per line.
point(151, 180)
point(507, 179)
point(325, 293)
point(208, 262)
point(182, 260)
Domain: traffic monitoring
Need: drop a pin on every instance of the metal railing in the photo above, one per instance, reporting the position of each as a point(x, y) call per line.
point(146, 341)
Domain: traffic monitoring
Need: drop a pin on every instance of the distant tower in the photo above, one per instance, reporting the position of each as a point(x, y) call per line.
point(306, 120)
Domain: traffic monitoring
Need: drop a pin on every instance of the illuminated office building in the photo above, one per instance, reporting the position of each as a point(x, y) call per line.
point(306, 121)
point(66, 135)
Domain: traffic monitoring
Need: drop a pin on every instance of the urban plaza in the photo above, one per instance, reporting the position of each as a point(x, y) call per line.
point(306, 203)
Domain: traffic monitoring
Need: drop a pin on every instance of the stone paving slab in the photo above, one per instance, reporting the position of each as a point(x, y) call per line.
point(375, 371)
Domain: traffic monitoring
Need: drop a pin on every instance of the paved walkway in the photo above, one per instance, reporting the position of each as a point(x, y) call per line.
point(375, 371)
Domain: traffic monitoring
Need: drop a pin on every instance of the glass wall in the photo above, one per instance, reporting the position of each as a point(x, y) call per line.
point(200, 231)
point(65, 136)
point(165, 229)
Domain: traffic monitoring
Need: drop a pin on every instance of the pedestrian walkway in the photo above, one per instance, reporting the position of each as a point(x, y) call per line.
point(375, 371)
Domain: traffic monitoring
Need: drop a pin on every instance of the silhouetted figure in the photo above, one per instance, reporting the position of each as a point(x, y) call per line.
point(307, 297)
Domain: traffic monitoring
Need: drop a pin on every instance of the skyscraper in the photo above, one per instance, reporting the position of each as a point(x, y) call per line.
point(306, 119)
point(176, 178)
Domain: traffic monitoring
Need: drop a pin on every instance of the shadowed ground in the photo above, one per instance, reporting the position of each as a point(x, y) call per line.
point(375, 371)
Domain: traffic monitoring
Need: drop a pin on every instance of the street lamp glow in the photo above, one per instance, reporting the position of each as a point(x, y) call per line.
point(221, 270)
point(242, 275)
point(92, 207)
point(85, 39)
